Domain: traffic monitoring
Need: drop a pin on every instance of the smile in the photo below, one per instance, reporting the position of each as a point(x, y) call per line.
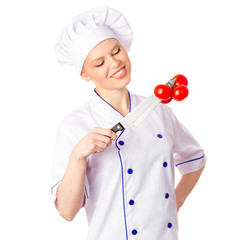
point(120, 73)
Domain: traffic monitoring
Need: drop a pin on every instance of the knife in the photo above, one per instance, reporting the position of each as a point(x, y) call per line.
point(134, 118)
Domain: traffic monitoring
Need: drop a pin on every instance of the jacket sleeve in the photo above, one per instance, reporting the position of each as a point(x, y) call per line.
point(64, 144)
point(188, 154)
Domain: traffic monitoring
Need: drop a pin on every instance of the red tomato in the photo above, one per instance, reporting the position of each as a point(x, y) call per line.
point(166, 101)
point(180, 92)
point(181, 80)
point(163, 92)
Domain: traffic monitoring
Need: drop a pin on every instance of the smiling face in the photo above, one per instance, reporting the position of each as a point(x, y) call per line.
point(108, 66)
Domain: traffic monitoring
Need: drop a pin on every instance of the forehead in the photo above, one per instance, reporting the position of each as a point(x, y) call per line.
point(102, 48)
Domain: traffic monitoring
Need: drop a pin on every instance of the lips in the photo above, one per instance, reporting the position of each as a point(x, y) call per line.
point(120, 73)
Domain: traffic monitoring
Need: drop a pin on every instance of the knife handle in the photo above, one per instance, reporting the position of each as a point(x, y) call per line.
point(117, 127)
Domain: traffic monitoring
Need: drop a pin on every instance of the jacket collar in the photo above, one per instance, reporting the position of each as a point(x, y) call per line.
point(105, 109)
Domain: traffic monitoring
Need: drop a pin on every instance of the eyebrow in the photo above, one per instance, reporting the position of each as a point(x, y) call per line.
point(102, 57)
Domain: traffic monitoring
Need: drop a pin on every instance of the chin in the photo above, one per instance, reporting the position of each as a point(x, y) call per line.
point(126, 81)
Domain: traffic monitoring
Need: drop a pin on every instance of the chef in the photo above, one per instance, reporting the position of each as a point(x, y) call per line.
point(125, 181)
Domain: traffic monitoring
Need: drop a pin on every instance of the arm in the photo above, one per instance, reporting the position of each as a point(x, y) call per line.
point(70, 194)
point(185, 186)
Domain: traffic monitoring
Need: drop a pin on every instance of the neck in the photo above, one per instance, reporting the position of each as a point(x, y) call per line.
point(119, 99)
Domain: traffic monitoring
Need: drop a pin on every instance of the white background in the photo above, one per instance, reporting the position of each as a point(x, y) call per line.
point(199, 39)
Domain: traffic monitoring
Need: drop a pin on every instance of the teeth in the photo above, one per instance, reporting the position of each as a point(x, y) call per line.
point(118, 73)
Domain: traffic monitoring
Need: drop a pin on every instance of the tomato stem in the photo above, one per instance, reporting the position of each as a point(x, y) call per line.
point(171, 82)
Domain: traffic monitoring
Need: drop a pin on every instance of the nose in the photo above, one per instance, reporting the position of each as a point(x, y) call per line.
point(114, 62)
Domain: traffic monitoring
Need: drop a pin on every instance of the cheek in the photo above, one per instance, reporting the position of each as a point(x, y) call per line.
point(126, 59)
point(102, 70)
point(124, 54)
point(99, 75)
point(96, 72)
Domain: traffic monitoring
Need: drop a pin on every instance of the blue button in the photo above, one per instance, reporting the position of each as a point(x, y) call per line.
point(130, 171)
point(167, 195)
point(159, 136)
point(165, 164)
point(131, 202)
point(134, 232)
point(121, 143)
point(169, 225)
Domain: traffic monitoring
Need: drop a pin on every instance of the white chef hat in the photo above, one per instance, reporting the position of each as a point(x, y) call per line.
point(88, 29)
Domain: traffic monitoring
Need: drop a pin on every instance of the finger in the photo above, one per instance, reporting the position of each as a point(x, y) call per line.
point(93, 136)
point(101, 145)
point(114, 135)
point(98, 147)
point(107, 132)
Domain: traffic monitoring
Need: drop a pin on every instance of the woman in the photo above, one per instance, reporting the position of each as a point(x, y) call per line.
point(125, 181)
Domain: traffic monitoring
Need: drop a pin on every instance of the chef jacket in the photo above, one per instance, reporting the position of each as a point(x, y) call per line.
point(129, 188)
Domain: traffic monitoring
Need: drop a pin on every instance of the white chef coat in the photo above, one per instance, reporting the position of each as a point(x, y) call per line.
point(129, 188)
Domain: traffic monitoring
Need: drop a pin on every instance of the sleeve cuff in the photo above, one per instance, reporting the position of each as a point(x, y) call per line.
point(54, 192)
point(55, 188)
point(191, 165)
point(86, 189)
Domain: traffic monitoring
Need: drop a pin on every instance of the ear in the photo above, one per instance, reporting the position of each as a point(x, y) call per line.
point(85, 76)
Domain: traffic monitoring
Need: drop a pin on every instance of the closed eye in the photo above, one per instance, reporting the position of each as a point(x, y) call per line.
point(99, 65)
point(117, 52)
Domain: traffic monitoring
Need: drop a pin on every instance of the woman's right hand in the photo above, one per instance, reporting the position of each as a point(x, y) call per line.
point(96, 141)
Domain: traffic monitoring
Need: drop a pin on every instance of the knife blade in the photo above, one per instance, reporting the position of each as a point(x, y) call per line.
point(134, 118)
